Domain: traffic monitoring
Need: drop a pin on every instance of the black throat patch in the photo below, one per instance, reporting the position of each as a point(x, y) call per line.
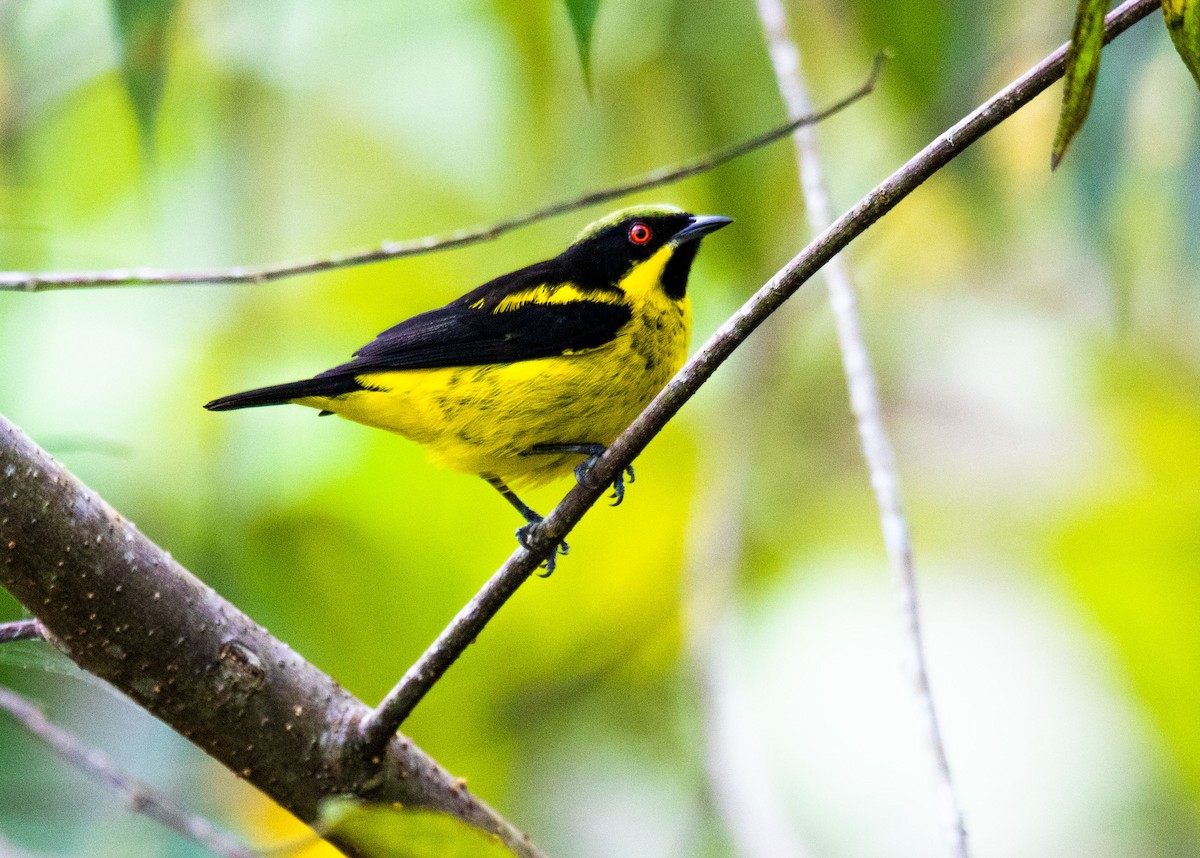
point(675, 273)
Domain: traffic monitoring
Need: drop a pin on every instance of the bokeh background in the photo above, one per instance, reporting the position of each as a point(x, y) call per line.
point(1035, 334)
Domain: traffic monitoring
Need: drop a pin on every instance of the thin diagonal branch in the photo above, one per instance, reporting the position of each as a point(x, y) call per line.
point(474, 617)
point(21, 630)
point(868, 411)
point(23, 281)
point(138, 796)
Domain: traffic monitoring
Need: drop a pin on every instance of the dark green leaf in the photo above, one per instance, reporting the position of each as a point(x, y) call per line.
point(142, 28)
point(1183, 23)
point(583, 17)
point(392, 831)
point(1083, 64)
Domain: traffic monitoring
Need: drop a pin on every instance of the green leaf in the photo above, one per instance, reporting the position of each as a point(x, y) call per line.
point(392, 831)
point(142, 29)
point(583, 18)
point(1183, 23)
point(1083, 64)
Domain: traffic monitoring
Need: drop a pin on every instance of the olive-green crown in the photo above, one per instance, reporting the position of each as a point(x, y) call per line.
point(624, 214)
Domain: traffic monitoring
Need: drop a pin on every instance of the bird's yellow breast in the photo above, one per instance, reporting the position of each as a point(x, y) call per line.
point(483, 419)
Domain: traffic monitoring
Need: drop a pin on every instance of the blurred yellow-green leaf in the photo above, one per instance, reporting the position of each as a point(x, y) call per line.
point(583, 19)
point(142, 28)
point(1079, 82)
point(392, 831)
point(1133, 555)
point(1183, 23)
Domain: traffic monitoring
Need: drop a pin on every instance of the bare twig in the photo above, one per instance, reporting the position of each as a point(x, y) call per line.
point(868, 411)
point(122, 609)
point(24, 281)
point(138, 796)
point(21, 630)
point(471, 620)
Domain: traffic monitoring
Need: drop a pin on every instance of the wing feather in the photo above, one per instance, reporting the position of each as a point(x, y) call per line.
point(528, 314)
point(534, 312)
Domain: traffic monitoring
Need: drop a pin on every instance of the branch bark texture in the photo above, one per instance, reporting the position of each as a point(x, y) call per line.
point(473, 618)
point(122, 609)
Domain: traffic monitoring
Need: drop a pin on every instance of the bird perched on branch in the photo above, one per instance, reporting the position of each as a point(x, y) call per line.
point(532, 374)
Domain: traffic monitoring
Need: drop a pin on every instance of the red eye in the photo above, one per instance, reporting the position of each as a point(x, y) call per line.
point(639, 233)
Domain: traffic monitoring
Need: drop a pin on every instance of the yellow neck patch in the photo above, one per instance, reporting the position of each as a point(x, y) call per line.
point(645, 278)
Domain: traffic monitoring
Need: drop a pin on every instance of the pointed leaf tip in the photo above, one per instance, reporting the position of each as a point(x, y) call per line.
point(582, 14)
point(1082, 67)
point(142, 29)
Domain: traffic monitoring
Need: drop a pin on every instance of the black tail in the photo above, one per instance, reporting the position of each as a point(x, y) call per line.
point(278, 394)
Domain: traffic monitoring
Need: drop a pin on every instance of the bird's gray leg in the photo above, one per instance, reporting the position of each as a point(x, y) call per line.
point(531, 519)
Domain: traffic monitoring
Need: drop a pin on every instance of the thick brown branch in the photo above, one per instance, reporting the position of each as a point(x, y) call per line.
point(124, 610)
point(472, 619)
point(23, 281)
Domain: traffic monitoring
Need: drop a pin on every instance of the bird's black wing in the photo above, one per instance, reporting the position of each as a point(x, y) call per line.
point(470, 331)
point(475, 330)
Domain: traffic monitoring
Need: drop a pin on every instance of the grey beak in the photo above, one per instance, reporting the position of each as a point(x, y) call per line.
point(700, 226)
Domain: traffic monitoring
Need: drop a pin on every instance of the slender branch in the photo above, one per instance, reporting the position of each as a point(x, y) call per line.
point(23, 281)
point(21, 630)
point(138, 796)
point(471, 620)
point(122, 609)
point(868, 411)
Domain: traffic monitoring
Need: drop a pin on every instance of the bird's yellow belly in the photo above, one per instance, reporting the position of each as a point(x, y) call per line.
point(483, 419)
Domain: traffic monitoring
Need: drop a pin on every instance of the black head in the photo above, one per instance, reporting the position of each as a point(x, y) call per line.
point(608, 249)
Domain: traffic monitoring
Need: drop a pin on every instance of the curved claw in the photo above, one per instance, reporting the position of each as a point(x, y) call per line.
point(523, 540)
point(619, 485)
point(583, 472)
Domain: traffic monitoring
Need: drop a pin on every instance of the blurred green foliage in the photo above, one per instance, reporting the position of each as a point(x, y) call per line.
point(1035, 338)
point(390, 831)
point(1132, 553)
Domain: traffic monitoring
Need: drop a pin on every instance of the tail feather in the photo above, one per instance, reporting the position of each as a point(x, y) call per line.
point(278, 394)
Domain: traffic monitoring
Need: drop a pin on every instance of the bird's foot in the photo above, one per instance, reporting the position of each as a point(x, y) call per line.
point(532, 520)
point(524, 534)
point(584, 468)
point(583, 476)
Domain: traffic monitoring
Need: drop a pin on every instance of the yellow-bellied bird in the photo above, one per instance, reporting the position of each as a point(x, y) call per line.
point(533, 373)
